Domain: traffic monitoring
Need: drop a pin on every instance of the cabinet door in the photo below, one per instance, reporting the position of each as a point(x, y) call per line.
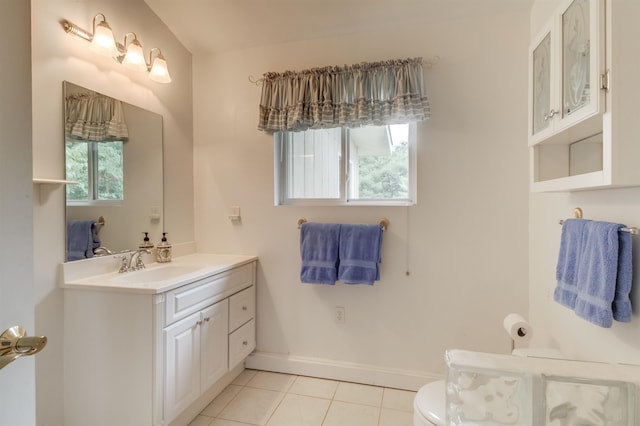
point(541, 59)
point(214, 343)
point(582, 54)
point(576, 51)
point(182, 365)
point(566, 62)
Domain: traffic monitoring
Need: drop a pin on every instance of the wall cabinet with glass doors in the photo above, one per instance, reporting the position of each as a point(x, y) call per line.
point(581, 94)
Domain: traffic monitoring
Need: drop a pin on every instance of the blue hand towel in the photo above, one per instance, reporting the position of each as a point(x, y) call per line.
point(319, 252)
point(360, 247)
point(82, 238)
point(571, 248)
point(621, 302)
point(598, 273)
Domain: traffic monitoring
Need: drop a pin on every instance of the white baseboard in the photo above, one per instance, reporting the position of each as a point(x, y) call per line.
point(336, 370)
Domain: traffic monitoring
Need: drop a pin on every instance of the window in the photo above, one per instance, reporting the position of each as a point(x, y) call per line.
point(371, 165)
point(98, 169)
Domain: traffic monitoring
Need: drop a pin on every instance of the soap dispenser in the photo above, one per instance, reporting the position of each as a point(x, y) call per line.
point(163, 250)
point(146, 244)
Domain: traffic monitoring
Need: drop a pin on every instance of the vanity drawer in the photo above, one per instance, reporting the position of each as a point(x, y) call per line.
point(185, 300)
point(242, 307)
point(241, 343)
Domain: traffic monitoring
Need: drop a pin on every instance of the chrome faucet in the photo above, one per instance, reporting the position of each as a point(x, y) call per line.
point(102, 251)
point(134, 262)
point(124, 264)
point(137, 255)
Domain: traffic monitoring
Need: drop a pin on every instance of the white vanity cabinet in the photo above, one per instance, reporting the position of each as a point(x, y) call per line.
point(155, 354)
point(196, 356)
point(241, 325)
point(581, 96)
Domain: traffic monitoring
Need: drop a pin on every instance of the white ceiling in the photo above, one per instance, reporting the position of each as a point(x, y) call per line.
point(219, 25)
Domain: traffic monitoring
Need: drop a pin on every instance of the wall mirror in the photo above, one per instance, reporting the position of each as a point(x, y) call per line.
point(113, 150)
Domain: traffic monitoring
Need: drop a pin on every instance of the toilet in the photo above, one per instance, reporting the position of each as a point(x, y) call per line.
point(430, 406)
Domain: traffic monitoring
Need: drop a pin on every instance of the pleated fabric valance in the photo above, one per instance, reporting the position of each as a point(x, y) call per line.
point(376, 93)
point(94, 118)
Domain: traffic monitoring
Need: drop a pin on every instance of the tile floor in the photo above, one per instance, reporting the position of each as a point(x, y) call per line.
point(274, 399)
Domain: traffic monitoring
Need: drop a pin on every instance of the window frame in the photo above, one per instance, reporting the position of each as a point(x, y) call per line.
point(92, 178)
point(280, 176)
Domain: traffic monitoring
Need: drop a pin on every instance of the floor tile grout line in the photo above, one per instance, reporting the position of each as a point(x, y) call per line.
point(284, 395)
point(233, 398)
point(326, 413)
point(288, 391)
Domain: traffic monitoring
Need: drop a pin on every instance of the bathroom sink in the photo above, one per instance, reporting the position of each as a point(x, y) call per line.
point(156, 273)
point(155, 278)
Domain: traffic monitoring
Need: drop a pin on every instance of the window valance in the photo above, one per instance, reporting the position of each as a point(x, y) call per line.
point(95, 118)
point(376, 93)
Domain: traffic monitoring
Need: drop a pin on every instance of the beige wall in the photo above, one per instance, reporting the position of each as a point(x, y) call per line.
point(464, 245)
point(58, 56)
point(17, 295)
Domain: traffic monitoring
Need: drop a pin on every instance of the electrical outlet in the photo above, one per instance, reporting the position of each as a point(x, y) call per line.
point(339, 314)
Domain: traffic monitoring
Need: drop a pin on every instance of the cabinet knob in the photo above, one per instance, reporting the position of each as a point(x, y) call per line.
point(244, 342)
point(244, 308)
point(207, 319)
point(198, 323)
point(550, 115)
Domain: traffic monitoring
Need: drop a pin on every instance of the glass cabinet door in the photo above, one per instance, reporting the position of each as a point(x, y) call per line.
point(576, 48)
point(541, 62)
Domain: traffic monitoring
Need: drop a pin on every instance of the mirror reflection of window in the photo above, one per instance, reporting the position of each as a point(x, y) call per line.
point(98, 169)
point(95, 130)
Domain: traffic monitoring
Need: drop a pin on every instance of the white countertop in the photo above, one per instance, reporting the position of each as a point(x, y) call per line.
point(155, 278)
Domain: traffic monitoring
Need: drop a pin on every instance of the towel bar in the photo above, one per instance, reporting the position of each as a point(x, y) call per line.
point(384, 222)
point(100, 223)
point(577, 214)
point(631, 230)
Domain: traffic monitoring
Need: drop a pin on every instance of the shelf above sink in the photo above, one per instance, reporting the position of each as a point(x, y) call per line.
point(54, 181)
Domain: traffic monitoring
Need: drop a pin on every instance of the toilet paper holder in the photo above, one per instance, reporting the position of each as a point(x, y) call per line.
point(517, 328)
point(14, 343)
point(521, 332)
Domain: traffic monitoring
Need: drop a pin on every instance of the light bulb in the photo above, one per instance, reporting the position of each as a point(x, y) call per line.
point(102, 41)
point(134, 58)
point(159, 71)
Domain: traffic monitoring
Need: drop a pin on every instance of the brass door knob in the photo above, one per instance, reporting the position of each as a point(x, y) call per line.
point(15, 343)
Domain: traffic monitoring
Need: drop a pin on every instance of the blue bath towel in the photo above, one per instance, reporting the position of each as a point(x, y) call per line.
point(598, 272)
point(82, 238)
point(360, 247)
point(319, 252)
point(571, 248)
point(621, 302)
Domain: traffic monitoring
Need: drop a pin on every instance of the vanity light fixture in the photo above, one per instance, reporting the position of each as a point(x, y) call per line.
point(158, 69)
point(134, 56)
point(102, 41)
point(130, 54)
